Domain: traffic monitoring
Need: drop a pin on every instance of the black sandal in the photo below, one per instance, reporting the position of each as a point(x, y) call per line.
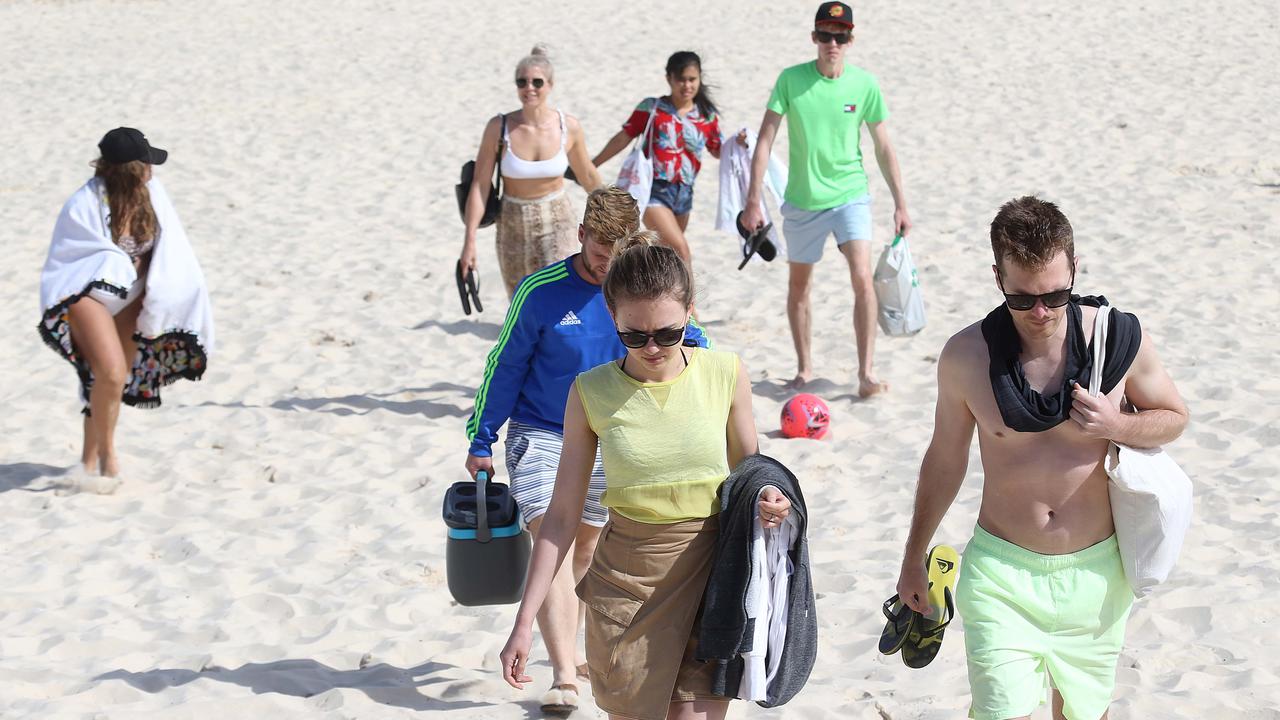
point(901, 622)
point(468, 286)
point(758, 242)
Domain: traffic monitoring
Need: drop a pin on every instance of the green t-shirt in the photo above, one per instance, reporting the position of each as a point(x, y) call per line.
point(824, 122)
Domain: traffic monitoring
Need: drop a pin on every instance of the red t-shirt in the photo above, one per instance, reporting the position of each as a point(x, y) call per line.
point(677, 143)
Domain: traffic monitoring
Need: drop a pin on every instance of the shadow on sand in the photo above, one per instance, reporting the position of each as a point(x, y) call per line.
point(364, 404)
point(18, 476)
point(382, 683)
point(482, 330)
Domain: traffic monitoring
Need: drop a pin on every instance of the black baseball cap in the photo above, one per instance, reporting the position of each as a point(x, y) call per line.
point(834, 12)
point(125, 144)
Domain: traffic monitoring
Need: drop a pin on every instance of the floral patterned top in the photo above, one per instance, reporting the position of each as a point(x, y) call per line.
point(677, 142)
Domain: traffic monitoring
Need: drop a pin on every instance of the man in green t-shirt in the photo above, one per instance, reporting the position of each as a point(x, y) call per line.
point(826, 102)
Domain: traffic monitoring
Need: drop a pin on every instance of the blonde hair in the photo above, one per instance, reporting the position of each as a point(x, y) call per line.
point(643, 269)
point(538, 58)
point(611, 214)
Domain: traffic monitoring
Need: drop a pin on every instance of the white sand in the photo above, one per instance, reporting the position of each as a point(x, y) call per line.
point(277, 550)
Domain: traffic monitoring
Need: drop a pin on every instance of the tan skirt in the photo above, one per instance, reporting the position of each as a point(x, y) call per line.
point(643, 592)
point(532, 234)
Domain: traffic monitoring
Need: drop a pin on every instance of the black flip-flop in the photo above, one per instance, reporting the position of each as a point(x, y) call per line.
point(468, 289)
point(925, 639)
point(901, 622)
point(758, 242)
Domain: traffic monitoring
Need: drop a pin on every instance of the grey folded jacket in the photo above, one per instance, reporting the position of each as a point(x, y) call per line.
point(726, 631)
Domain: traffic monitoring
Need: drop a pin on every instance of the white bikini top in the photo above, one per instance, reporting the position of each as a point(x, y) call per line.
point(553, 167)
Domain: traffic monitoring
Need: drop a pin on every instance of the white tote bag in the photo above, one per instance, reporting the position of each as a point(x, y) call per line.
point(1150, 495)
point(898, 290)
point(636, 176)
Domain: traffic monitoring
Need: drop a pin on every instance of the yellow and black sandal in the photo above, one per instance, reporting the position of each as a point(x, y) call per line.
point(924, 639)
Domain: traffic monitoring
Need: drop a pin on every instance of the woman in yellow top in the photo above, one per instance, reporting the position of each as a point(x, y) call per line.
point(670, 422)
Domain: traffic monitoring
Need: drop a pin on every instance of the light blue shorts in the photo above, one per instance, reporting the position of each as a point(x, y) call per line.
point(806, 230)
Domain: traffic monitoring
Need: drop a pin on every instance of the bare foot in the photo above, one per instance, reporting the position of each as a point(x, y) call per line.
point(871, 386)
point(108, 466)
point(80, 480)
point(100, 484)
point(800, 380)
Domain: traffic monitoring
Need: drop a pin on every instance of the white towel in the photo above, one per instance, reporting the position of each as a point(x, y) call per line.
point(735, 180)
point(175, 325)
point(766, 603)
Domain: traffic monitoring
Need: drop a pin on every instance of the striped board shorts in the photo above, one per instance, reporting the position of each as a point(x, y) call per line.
point(533, 456)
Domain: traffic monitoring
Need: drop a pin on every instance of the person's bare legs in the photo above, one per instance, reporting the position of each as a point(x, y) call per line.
point(670, 229)
point(558, 620)
point(96, 336)
point(698, 710)
point(1059, 713)
point(89, 455)
point(858, 254)
point(800, 317)
point(584, 548)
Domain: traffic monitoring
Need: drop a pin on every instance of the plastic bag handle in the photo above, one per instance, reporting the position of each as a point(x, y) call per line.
point(482, 508)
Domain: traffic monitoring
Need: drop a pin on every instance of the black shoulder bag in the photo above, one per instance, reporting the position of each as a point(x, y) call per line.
point(494, 205)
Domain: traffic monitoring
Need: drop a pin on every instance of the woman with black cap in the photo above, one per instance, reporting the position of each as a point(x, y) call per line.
point(122, 296)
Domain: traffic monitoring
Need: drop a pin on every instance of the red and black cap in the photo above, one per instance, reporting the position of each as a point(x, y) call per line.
point(126, 144)
point(834, 12)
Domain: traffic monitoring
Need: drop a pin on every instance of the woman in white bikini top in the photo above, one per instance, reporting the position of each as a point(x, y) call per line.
point(536, 147)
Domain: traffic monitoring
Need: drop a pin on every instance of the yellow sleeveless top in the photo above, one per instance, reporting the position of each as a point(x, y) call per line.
point(664, 445)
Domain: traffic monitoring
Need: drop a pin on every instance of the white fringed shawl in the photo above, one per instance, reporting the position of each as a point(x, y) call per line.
point(175, 325)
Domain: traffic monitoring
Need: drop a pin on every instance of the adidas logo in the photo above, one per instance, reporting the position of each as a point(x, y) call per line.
point(570, 319)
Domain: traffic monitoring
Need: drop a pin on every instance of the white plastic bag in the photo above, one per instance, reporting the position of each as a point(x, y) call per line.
point(898, 290)
point(1151, 497)
point(636, 175)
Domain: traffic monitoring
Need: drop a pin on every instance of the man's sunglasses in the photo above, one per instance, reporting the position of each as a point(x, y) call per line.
point(666, 337)
point(524, 82)
point(1051, 300)
point(838, 38)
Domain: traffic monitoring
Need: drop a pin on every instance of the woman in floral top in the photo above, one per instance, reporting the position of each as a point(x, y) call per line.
point(684, 124)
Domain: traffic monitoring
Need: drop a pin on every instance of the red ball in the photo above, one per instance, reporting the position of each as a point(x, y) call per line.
point(805, 415)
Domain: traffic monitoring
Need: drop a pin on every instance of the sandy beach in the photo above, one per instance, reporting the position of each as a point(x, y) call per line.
point(277, 549)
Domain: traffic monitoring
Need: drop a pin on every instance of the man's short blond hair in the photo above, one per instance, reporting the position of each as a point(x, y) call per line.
point(611, 214)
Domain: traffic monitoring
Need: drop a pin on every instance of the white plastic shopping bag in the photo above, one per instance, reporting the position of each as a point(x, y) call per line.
point(636, 175)
point(898, 290)
point(1151, 497)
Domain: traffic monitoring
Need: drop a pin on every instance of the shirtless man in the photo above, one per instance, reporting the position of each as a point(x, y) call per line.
point(1041, 588)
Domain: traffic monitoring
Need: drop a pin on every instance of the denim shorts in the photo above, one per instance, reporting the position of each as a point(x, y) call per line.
point(806, 230)
point(677, 197)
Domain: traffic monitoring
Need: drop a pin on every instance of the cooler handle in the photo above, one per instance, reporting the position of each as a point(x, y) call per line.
point(482, 508)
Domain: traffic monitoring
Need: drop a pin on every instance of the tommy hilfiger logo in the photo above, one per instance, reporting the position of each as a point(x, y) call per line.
point(850, 108)
point(570, 319)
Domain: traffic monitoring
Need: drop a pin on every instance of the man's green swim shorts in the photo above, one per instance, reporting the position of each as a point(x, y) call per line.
point(1030, 619)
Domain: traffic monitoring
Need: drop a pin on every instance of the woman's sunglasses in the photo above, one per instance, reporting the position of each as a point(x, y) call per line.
point(666, 337)
point(1051, 300)
point(838, 38)
point(524, 82)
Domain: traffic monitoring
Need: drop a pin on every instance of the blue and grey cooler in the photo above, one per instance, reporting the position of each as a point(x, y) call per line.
point(487, 554)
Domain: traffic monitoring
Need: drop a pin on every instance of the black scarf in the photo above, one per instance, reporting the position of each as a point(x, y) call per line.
point(1024, 409)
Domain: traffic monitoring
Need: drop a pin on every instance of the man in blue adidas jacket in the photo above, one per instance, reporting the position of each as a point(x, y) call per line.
point(557, 327)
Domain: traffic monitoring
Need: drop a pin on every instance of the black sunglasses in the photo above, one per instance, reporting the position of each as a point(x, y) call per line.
point(666, 337)
point(838, 38)
point(524, 82)
point(1051, 300)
